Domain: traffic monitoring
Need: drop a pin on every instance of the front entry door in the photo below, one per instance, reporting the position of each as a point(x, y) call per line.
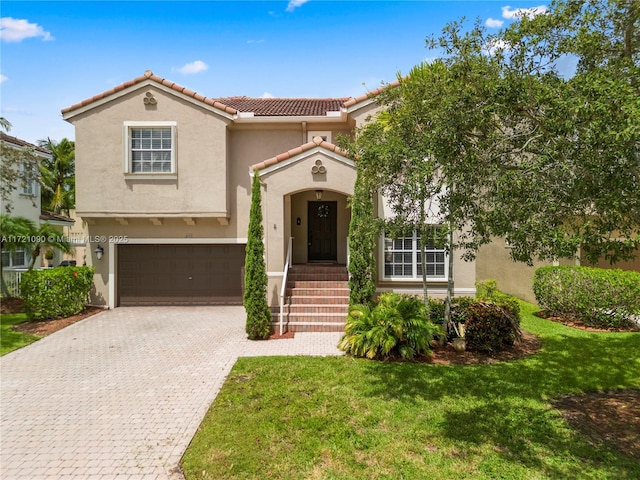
point(322, 234)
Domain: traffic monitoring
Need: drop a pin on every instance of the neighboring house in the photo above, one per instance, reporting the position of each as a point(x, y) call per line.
point(61, 223)
point(163, 183)
point(25, 199)
point(25, 202)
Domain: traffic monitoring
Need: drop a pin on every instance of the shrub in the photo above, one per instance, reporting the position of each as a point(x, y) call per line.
point(595, 296)
point(491, 327)
point(396, 327)
point(487, 291)
point(56, 292)
point(459, 310)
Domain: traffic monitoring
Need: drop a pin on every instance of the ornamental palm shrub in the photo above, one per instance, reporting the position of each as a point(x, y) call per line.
point(396, 326)
point(258, 324)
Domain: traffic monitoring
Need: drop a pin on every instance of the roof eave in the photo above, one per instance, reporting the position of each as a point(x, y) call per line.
point(330, 117)
point(199, 101)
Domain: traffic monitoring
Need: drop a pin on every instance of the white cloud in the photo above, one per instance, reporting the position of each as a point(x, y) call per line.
point(2, 78)
point(493, 23)
point(493, 45)
point(293, 4)
point(193, 67)
point(267, 95)
point(16, 30)
point(256, 41)
point(523, 12)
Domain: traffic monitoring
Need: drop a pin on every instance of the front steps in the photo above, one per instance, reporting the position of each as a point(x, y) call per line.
point(316, 299)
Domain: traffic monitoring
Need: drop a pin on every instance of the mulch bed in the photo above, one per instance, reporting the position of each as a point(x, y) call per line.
point(42, 328)
point(577, 323)
point(446, 355)
point(606, 417)
point(609, 417)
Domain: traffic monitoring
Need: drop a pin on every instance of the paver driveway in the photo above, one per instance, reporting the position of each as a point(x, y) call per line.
point(121, 394)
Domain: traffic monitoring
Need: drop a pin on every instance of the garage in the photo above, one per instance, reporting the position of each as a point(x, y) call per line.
point(157, 274)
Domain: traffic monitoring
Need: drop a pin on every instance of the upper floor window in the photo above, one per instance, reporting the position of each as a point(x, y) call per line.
point(150, 147)
point(29, 184)
point(403, 259)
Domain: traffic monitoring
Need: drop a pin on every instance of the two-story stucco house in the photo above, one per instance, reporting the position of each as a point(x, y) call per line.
point(163, 180)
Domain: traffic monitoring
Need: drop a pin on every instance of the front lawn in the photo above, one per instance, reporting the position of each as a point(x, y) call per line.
point(11, 340)
point(342, 418)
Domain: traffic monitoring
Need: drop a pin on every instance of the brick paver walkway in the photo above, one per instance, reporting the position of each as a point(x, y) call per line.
point(121, 394)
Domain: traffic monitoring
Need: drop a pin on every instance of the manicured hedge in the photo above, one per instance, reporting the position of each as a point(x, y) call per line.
point(595, 296)
point(56, 292)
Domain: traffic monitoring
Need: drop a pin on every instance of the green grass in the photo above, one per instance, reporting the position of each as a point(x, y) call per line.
point(342, 418)
point(11, 340)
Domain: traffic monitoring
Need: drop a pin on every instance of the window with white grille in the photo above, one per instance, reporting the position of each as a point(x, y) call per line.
point(403, 259)
point(150, 148)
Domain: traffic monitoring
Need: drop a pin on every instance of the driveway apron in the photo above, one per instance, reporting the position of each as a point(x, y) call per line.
point(121, 394)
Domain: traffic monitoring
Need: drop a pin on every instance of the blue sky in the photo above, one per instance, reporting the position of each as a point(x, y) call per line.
point(55, 54)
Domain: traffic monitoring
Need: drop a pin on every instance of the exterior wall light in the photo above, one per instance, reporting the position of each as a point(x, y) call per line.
point(99, 251)
point(319, 194)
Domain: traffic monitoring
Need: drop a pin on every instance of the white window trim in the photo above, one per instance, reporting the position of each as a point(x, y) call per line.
point(25, 258)
point(126, 135)
point(414, 259)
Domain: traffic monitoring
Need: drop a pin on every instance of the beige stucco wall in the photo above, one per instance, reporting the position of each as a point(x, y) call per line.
point(361, 115)
point(633, 264)
point(515, 278)
point(200, 184)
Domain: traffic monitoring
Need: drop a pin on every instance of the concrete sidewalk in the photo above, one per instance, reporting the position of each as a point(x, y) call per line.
point(121, 394)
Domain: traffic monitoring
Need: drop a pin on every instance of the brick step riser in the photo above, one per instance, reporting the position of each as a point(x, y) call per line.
point(317, 300)
point(311, 318)
point(304, 309)
point(310, 310)
point(311, 277)
point(318, 292)
point(318, 268)
point(311, 328)
point(317, 284)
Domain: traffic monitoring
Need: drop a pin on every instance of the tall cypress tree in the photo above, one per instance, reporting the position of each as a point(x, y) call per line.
point(362, 241)
point(255, 303)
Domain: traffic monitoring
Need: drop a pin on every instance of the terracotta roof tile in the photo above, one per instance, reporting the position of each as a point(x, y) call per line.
point(280, 107)
point(149, 75)
point(50, 216)
point(316, 142)
point(21, 143)
point(260, 107)
point(354, 100)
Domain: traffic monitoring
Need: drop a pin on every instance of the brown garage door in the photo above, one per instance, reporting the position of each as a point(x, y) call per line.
point(180, 274)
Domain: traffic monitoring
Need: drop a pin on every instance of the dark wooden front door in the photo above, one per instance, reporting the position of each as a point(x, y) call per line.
point(322, 234)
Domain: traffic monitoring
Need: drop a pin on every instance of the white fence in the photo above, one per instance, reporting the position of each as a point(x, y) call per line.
point(12, 279)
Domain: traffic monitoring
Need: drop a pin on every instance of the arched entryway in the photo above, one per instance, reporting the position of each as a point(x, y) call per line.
point(319, 223)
